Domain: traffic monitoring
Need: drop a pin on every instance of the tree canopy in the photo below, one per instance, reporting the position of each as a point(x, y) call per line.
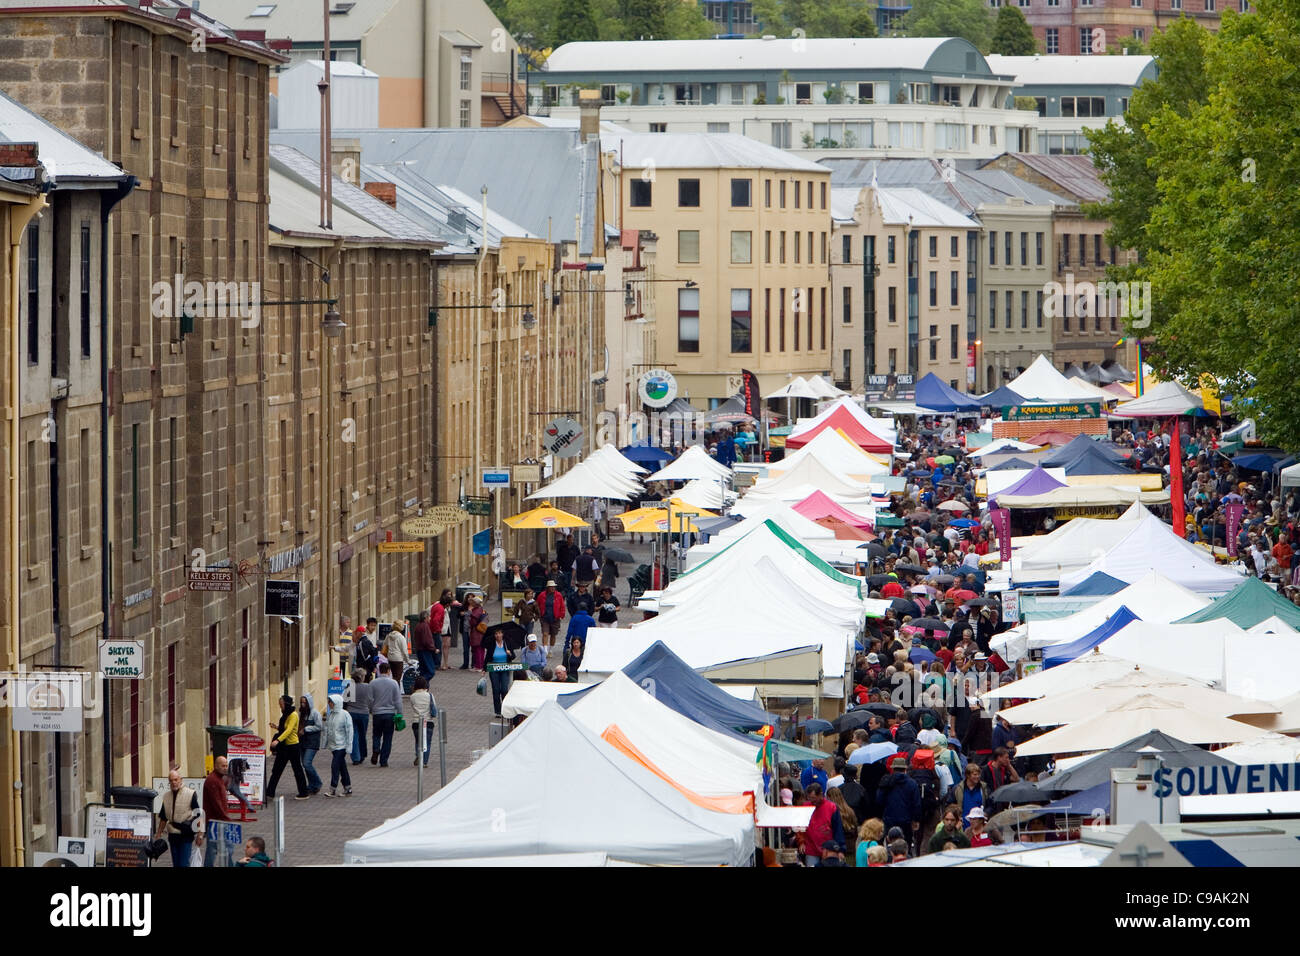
point(970, 19)
point(551, 23)
point(1012, 34)
point(817, 18)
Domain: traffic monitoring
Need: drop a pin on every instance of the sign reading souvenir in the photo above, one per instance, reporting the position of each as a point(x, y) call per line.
point(562, 437)
point(400, 547)
point(657, 388)
point(1230, 778)
point(122, 660)
point(1020, 413)
point(212, 579)
point(433, 522)
point(282, 599)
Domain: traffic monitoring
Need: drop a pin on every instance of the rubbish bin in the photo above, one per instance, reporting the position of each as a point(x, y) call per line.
point(220, 735)
point(136, 798)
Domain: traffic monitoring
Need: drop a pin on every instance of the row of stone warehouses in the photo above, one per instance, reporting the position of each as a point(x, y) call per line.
point(151, 432)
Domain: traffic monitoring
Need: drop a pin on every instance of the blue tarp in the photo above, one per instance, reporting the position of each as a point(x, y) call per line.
point(932, 394)
point(646, 455)
point(1055, 654)
point(1003, 396)
point(1084, 802)
point(1257, 461)
point(668, 679)
point(1097, 584)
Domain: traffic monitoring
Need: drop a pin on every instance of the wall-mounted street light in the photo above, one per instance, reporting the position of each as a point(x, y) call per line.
point(333, 325)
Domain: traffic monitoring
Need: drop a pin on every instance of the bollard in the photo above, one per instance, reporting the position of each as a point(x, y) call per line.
point(421, 754)
point(442, 748)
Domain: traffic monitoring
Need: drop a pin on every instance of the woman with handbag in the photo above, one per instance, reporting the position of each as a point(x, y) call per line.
point(498, 653)
point(477, 628)
point(180, 819)
point(287, 750)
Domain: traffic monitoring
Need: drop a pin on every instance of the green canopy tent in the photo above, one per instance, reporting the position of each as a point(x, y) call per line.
point(1246, 605)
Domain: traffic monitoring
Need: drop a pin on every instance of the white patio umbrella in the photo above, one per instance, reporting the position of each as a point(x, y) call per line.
point(1088, 670)
point(695, 462)
point(1139, 715)
point(1285, 721)
point(1075, 705)
point(1271, 748)
point(797, 387)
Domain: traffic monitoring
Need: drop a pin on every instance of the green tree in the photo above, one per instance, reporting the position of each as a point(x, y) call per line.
point(1223, 251)
point(574, 22)
point(970, 19)
point(817, 18)
point(1012, 34)
point(1128, 46)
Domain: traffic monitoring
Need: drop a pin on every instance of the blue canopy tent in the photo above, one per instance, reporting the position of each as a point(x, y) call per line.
point(1012, 464)
point(1055, 654)
point(1003, 396)
point(1097, 584)
point(1078, 445)
point(1258, 460)
point(1084, 803)
point(933, 395)
point(646, 455)
point(1093, 460)
point(669, 680)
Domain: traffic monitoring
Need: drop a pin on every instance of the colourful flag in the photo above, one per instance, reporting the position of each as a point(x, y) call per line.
point(1176, 498)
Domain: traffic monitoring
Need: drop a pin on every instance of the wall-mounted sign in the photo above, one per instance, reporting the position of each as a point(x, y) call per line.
point(282, 598)
point(562, 437)
point(891, 387)
point(47, 702)
point(527, 474)
point(657, 388)
point(478, 505)
point(1019, 413)
point(212, 579)
point(434, 521)
point(496, 477)
point(123, 660)
point(399, 547)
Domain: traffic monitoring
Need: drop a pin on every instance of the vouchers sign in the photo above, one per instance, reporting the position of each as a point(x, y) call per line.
point(1021, 413)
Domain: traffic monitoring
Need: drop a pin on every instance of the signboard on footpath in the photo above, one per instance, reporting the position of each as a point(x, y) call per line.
point(1011, 606)
point(246, 762)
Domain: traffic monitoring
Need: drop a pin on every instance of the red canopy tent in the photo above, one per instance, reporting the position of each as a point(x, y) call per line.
point(845, 531)
point(821, 505)
point(853, 429)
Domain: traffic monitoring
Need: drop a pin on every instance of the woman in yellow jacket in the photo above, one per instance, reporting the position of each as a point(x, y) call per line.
point(287, 750)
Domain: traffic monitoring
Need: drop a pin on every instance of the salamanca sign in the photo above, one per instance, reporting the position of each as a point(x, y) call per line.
point(1233, 778)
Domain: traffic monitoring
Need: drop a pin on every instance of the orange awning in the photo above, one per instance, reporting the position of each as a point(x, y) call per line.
point(737, 803)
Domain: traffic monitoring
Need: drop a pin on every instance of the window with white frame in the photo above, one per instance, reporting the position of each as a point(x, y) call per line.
point(949, 136)
point(905, 135)
point(466, 65)
point(1053, 40)
point(1085, 41)
point(464, 114)
point(688, 320)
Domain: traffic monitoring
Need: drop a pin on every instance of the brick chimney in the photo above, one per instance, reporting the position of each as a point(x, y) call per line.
point(589, 114)
point(384, 192)
point(19, 154)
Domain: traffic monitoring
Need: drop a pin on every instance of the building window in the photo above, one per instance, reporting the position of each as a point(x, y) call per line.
point(780, 247)
point(1053, 39)
point(993, 248)
point(893, 360)
point(1006, 248)
point(848, 304)
point(1040, 309)
point(952, 288)
point(993, 310)
point(823, 192)
point(640, 194)
point(1083, 106)
point(767, 247)
point(135, 486)
point(934, 343)
point(846, 249)
point(952, 341)
point(767, 320)
point(1175, 4)
point(85, 290)
point(794, 236)
point(740, 247)
point(688, 320)
point(1024, 310)
point(893, 303)
point(781, 194)
point(33, 293)
point(688, 193)
point(1010, 304)
point(803, 92)
point(889, 249)
point(658, 127)
point(465, 66)
point(688, 245)
point(1038, 248)
point(934, 288)
point(1096, 249)
point(740, 192)
point(1085, 41)
point(740, 320)
point(934, 247)
point(822, 249)
point(1065, 251)
point(781, 322)
point(953, 247)
point(848, 365)
point(810, 197)
point(464, 114)
point(1024, 248)
point(782, 134)
point(794, 188)
point(1083, 249)
point(866, 92)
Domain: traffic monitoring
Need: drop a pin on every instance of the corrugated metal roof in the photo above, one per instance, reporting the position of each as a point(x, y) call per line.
point(782, 53)
point(1057, 70)
point(63, 157)
point(456, 38)
point(701, 151)
point(295, 204)
point(1076, 175)
point(962, 189)
point(535, 177)
point(300, 19)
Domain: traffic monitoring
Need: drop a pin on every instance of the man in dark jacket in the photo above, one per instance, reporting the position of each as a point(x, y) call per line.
point(949, 831)
point(898, 798)
point(581, 598)
point(425, 647)
point(854, 795)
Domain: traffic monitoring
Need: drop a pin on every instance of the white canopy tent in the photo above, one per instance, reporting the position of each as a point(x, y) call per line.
point(1273, 625)
point(1141, 714)
point(704, 493)
point(590, 478)
point(1289, 477)
point(1089, 670)
point(1153, 598)
point(757, 511)
point(525, 696)
point(823, 388)
point(1150, 545)
point(790, 484)
point(1071, 545)
point(1286, 721)
point(797, 387)
point(1042, 382)
point(1159, 401)
point(836, 452)
point(695, 462)
point(1270, 748)
point(1000, 445)
point(1080, 496)
point(618, 462)
point(520, 799)
point(998, 481)
point(882, 427)
point(700, 759)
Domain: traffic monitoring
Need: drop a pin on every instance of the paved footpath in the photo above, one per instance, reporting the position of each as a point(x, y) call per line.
point(317, 829)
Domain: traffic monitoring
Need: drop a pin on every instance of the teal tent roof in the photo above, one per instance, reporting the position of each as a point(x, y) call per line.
point(1246, 605)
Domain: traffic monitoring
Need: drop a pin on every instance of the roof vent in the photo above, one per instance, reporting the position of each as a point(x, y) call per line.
point(456, 219)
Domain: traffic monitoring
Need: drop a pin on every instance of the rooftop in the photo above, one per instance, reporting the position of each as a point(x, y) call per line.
point(963, 189)
point(1074, 174)
point(1056, 70)
point(65, 159)
point(700, 151)
point(900, 205)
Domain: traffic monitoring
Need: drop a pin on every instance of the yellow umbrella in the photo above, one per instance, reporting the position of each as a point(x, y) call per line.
point(546, 517)
point(657, 521)
point(681, 507)
point(629, 517)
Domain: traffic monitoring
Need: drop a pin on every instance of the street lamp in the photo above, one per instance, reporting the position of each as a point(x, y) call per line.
point(333, 324)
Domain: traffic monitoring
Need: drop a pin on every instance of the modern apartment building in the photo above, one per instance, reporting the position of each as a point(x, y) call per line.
point(744, 259)
point(440, 62)
point(902, 279)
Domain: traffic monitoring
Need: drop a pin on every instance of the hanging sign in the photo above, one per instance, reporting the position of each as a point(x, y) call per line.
point(657, 388)
point(562, 437)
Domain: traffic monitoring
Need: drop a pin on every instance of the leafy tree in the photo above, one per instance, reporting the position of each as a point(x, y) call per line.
point(574, 22)
point(1012, 34)
point(1129, 45)
point(970, 19)
point(817, 18)
point(1223, 183)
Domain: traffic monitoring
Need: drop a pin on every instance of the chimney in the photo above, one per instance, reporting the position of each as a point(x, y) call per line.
point(345, 160)
point(19, 155)
point(588, 115)
point(384, 192)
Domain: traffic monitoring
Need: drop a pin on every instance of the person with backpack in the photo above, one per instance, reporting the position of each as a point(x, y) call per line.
point(927, 782)
point(898, 798)
point(365, 653)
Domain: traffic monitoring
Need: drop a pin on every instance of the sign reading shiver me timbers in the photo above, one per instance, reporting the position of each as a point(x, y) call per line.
point(122, 660)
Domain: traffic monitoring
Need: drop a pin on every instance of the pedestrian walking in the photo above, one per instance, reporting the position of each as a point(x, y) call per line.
point(551, 608)
point(385, 704)
point(440, 615)
point(214, 806)
point(359, 709)
point(422, 707)
point(498, 653)
point(607, 607)
point(477, 628)
point(337, 739)
point(309, 729)
point(526, 613)
point(425, 647)
point(180, 819)
point(397, 652)
point(533, 657)
point(287, 749)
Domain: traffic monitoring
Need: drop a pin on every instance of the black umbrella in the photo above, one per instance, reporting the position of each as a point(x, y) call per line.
point(904, 606)
point(880, 580)
point(874, 549)
point(910, 569)
point(515, 634)
point(618, 555)
point(877, 707)
point(915, 716)
point(944, 579)
point(854, 719)
point(983, 602)
point(928, 624)
point(1020, 792)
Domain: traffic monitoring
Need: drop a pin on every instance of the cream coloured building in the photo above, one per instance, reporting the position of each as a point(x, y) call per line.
point(743, 255)
point(900, 284)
